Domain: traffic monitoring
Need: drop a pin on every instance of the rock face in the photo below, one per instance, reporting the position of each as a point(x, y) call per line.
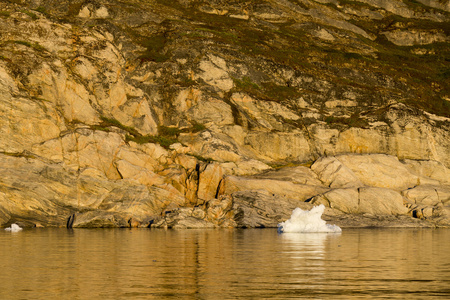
point(268, 198)
point(209, 114)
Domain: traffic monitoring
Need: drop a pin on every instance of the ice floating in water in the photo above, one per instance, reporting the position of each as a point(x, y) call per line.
point(307, 221)
point(13, 228)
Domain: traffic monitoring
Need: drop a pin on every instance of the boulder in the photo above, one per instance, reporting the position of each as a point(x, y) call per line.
point(345, 200)
point(364, 200)
point(381, 201)
point(333, 173)
point(380, 170)
point(428, 194)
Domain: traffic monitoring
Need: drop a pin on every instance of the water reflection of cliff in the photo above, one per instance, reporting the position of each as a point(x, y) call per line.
point(210, 264)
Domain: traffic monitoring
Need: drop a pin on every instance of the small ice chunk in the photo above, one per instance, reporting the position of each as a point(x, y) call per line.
point(307, 221)
point(13, 228)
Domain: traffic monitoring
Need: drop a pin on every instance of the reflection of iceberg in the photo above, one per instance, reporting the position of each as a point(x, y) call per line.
point(305, 253)
point(13, 228)
point(305, 240)
point(308, 242)
point(307, 221)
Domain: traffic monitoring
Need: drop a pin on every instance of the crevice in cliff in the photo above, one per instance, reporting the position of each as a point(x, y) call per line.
point(359, 198)
point(23, 154)
point(216, 196)
point(77, 151)
point(197, 179)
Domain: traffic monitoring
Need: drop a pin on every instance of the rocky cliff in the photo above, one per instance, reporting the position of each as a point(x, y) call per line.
point(224, 113)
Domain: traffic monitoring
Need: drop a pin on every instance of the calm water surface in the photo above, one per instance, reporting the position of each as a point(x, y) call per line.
point(224, 264)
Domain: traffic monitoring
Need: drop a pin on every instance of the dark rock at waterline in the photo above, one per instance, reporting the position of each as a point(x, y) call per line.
point(70, 221)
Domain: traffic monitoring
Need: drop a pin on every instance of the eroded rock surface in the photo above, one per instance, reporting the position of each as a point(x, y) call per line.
point(211, 114)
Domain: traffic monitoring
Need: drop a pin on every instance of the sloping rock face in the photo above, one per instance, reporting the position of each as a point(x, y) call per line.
point(356, 199)
point(204, 113)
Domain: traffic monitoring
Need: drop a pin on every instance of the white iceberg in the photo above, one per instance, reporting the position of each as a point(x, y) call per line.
point(307, 221)
point(13, 228)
